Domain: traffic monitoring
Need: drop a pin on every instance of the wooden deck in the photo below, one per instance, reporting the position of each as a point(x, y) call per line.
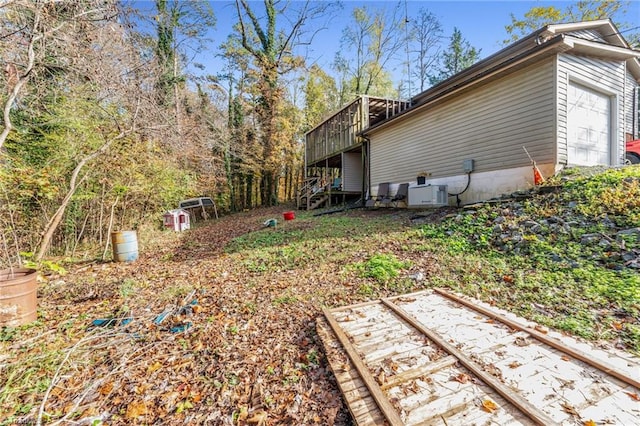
point(434, 358)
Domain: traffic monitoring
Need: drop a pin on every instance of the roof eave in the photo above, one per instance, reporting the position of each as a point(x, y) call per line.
point(604, 26)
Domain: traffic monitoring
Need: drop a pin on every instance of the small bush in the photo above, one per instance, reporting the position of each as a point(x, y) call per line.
point(382, 268)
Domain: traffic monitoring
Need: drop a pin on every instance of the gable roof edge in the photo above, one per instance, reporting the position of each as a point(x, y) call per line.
point(605, 27)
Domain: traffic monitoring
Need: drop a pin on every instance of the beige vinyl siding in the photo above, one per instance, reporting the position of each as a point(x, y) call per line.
point(352, 171)
point(489, 124)
point(629, 108)
point(607, 77)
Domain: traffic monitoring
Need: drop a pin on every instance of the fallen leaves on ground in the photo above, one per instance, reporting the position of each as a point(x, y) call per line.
point(462, 378)
point(569, 408)
point(633, 396)
point(237, 334)
point(541, 329)
point(489, 406)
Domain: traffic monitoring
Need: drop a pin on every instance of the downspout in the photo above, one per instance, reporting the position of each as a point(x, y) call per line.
point(621, 155)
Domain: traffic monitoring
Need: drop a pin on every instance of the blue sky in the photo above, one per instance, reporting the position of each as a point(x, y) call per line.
point(482, 23)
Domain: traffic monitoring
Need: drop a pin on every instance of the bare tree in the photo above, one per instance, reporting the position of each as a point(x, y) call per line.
point(426, 38)
point(374, 40)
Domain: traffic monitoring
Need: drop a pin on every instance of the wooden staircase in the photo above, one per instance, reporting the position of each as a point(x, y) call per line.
point(313, 194)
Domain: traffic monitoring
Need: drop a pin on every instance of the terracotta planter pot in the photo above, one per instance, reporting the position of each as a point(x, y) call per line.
point(18, 297)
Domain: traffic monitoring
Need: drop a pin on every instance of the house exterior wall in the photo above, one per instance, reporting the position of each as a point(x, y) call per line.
point(352, 171)
point(605, 77)
point(489, 124)
point(631, 107)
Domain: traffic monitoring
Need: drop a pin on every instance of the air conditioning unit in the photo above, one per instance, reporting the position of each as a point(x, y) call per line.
point(428, 196)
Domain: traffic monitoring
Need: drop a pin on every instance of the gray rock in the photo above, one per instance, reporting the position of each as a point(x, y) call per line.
point(630, 231)
point(604, 243)
point(628, 256)
point(417, 277)
point(589, 238)
point(499, 219)
point(572, 204)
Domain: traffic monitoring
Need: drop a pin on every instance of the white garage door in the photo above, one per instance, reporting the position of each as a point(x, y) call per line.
point(589, 125)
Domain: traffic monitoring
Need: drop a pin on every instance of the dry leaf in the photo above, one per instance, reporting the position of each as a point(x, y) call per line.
point(616, 325)
point(106, 389)
point(243, 414)
point(154, 367)
point(521, 341)
point(260, 418)
point(569, 409)
point(633, 396)
point(489, 406)
point(565, 358)
point(490, 321)
point(590, 423)
point(541, 329)
point(514, 364)
point(136, 409)
point(462, 378)
point(507, 279)
point(493, 370)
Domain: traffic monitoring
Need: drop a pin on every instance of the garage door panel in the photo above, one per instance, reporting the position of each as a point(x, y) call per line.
point(589, 135)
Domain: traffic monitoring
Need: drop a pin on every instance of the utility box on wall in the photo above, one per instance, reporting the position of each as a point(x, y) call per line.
point(427, 196)
point(177, 219)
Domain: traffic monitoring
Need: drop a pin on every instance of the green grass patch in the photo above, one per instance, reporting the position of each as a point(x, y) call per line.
point(322, 228)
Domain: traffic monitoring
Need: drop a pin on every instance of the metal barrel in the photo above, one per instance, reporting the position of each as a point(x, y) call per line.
point(18, 297)
point(124, 245)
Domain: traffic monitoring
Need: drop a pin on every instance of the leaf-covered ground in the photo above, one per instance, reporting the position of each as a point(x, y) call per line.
point(248, 354)
point(217, 325)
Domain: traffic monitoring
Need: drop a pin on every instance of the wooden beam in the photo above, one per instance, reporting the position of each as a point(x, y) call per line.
point(507, 393)
point(385, 406)
point(419, 371)
point(600, 365)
